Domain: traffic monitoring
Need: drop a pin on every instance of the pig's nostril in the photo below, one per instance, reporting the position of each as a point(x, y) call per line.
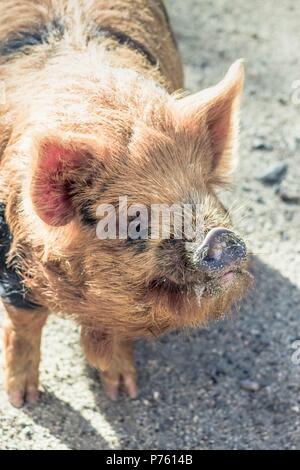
point(214, 253)
point(221, 249)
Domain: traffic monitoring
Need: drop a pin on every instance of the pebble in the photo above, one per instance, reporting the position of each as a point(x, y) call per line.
point(260, 143)
point(296, 409)
point(274, 174)
point(290, 193)
point(249, 385)
point(283, 101)
point(260, 200)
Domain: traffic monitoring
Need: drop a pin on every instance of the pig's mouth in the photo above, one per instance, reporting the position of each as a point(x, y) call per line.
point(228, 279)
point(202, 286)
point(217, 267)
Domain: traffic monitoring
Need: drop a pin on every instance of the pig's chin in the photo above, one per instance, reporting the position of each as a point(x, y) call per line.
point(231, 281)
point(220, 294)
point(195, 303)
point(228, 280)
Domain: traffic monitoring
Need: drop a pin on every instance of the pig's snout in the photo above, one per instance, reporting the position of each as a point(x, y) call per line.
point(221, 251)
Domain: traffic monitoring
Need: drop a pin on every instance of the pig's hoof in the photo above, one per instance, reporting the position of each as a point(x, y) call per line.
point(113, 385)
point(18, 397)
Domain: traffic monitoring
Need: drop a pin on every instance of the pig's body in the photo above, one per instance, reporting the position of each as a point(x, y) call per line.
point(88, 118)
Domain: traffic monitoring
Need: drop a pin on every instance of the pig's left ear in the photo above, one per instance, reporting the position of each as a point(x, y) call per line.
point(59, 168)
point(212, 117)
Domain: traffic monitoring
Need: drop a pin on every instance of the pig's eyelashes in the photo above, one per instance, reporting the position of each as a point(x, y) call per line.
point(138, 246)
point(20, 41)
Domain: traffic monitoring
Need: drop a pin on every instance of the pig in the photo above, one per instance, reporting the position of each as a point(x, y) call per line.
point(95, 110)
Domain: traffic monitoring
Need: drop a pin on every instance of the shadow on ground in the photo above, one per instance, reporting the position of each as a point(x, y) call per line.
point(191, 386)
point(64, 422)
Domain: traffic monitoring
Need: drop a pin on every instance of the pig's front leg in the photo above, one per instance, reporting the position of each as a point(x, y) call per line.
point(114, 358)
point(121, 371)
point(22, 342)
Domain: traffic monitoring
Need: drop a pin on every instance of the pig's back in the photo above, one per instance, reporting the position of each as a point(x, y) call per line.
point(137, 34)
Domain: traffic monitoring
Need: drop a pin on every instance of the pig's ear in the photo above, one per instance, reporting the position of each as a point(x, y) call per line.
point(57, 166)
point(212, 115)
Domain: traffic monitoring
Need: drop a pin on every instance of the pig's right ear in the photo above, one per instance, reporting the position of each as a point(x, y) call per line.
point(57, 166)
point(212, 118)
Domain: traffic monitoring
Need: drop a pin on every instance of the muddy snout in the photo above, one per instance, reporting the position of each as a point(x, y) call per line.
point(221, 251)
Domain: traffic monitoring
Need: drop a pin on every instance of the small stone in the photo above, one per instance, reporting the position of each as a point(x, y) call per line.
point(260, 200)
point(274, 174)
point(283, 101)
point(249, 385)
point(260, 143)
point(295, 408)
point(156, 395)
point(289, 197)
point(290, 193)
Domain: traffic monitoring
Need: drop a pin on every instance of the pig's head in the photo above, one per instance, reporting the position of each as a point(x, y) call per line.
point(151, 148)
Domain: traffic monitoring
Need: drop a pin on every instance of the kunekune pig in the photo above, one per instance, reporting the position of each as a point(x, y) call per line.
point(94, 111)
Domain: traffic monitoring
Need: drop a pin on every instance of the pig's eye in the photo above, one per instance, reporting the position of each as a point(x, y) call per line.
point(137, 236)
point(136, 229)
point(138, 246)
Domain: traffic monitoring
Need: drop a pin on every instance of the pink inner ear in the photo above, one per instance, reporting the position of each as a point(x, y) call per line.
point(220, 130)
point(50, 192)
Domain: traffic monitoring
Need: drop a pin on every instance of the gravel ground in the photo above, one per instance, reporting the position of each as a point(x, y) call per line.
point(233, 385)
